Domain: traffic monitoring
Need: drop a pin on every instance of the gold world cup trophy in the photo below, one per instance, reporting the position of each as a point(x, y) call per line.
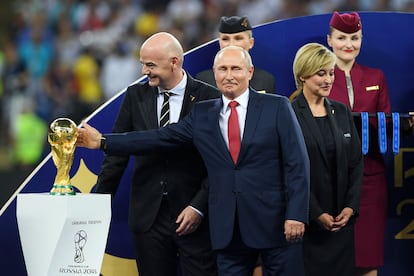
point(62, 139)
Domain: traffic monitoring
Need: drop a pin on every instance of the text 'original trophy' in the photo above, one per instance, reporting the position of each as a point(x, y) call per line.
point(62, 139)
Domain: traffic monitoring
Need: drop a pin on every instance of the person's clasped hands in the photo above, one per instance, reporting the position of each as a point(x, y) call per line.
point(334, 224)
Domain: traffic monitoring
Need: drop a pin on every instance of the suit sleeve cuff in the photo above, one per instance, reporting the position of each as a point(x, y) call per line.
point(198, 211)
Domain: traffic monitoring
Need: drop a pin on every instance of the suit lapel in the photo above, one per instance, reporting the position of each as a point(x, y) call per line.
point(148, 107)
point(214, 116)
point(254, 108)
point(337, 134)
point(148, 103)
point(312, 127)
point(358, 83)
point(190, 97)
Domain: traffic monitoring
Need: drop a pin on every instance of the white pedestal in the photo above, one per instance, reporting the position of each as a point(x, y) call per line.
point(63, 235)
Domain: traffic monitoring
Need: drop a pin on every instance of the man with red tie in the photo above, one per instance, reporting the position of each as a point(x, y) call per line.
point(257, 165)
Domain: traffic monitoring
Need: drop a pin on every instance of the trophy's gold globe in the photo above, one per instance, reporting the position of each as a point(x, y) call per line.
point(62, 139)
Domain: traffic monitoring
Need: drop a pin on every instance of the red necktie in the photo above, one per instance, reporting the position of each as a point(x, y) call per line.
point(234, 132)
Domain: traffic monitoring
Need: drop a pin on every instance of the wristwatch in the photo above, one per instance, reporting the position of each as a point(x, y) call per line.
point(103, 143)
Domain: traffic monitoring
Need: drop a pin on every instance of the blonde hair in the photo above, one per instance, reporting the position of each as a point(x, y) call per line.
point(309, 59)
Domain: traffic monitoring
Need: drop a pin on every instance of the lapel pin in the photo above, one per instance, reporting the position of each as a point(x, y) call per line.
point(192, 98)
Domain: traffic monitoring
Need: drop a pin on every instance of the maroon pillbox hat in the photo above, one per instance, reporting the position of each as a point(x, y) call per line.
point(347, 22)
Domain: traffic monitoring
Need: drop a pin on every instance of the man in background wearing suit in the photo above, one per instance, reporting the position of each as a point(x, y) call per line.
point(257, 164)
point(236, 30)
point(168, 200)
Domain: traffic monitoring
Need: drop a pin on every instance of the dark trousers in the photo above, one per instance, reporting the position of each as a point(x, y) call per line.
point(160, 250)
point(239, 259)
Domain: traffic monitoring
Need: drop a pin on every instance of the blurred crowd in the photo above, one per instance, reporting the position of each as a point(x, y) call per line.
point(63, 58)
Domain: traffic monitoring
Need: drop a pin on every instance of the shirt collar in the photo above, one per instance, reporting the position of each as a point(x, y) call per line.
point(243, 99)
point(179, 89)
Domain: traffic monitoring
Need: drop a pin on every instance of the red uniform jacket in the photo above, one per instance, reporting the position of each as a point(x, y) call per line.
point(370, 95)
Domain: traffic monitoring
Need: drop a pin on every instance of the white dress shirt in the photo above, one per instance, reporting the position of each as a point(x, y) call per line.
point(242, 100)
point(176, 100)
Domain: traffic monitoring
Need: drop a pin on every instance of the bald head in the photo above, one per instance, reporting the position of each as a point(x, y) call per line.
point(162, 58)
point(165, 44)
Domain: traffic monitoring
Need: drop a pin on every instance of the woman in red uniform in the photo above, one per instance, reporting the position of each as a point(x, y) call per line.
point(363, 89)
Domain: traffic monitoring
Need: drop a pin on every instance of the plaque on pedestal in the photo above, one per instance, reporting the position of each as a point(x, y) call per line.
point(64, 235)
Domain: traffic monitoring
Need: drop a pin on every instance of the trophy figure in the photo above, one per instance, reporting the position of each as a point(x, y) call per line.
point(62, 139)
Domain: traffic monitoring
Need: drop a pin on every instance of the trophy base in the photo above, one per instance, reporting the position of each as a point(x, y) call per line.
point(62, 190)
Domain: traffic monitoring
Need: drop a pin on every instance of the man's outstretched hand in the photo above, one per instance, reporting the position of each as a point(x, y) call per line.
point(88, 137)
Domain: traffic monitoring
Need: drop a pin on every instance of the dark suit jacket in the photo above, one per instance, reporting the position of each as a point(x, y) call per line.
point(261, 80)
point(268, 184)
point(183, 172)
point(348, 157)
